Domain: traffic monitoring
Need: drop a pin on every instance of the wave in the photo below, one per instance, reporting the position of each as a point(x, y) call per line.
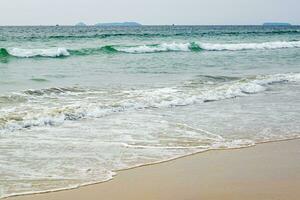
point(197, 46)
point(92, 51)
point(164, 47)
point(39, 79)
point(30, 53)
point(53, 52)
point(250, 46)
point(85, 103)
point(147, 48)
point(3, 53)
point(187, 47)
point(190, 33)
point(172, 34)
point(54, 90)
point(103, 36)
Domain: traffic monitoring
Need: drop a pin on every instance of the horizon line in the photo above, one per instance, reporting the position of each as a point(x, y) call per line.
point(49, 25)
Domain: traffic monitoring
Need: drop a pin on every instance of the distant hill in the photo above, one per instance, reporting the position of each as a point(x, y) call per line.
point(80, 24)
point(119, 24)
point(276, 24)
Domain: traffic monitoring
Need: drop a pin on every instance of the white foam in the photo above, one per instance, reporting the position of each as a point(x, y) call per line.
point(93, 149)
point(186, 47)
point(249, 46)
point(233, 144)
point(36, 115)
point(164, 47)
point(28, 53)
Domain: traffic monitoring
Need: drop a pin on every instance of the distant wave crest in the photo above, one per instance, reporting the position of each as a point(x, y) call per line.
point(190, 33)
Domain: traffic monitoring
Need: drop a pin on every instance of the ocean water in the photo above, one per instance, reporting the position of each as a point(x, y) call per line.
point(79, 103)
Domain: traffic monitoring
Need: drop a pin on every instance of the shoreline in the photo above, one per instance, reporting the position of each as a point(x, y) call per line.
point(149, 165)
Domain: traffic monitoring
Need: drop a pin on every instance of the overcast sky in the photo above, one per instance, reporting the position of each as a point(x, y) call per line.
point(202, 12)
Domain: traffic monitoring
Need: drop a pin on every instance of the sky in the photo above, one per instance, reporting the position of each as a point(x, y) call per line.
point(149, 12)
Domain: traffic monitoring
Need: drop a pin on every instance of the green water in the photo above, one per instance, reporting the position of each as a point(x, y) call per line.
point(78, 103)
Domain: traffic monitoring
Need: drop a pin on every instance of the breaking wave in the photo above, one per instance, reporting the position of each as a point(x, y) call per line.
point(197, 46)
point(147, 48)
point(29, 53)
point(3, 53)
point(250, 46)
point(187, 47)
point(164, 47)
point(78, 103)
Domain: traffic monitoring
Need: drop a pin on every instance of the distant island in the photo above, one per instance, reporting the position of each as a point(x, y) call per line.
point(112, 24)
point(119, 24)
point(276, 24)
point(80, 24)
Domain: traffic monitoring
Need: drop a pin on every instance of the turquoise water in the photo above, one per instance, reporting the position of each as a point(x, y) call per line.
point(79, 103)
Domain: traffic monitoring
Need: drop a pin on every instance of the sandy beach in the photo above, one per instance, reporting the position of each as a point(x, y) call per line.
point(266, 171)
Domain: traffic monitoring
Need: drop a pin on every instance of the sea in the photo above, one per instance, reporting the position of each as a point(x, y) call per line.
point(78, 104)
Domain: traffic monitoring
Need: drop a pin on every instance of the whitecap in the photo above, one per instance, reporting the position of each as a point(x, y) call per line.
point(164, 47)
point(29, 53)
point(249, 46)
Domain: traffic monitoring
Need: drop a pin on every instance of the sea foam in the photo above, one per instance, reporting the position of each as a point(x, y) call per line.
point(33, 114)
point(249, 46)
point(147, 48)
point(164, 47)
point(29, 53)
point(200, 46)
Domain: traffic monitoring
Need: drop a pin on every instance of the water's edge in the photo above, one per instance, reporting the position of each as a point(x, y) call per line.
point(145, 165)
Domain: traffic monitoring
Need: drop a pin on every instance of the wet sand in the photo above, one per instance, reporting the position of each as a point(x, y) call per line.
point(264, 172)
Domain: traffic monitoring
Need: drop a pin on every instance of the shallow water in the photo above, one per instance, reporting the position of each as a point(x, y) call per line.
point(78, 103)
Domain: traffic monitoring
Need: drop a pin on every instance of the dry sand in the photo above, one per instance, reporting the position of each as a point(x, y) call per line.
point(264, 172)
